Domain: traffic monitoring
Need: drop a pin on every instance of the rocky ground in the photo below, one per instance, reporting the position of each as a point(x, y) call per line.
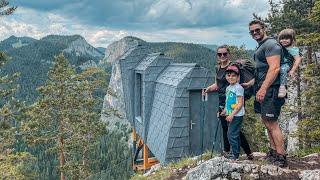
point(220, 168)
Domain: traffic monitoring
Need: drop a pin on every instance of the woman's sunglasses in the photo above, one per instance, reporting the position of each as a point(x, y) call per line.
point(220, 54)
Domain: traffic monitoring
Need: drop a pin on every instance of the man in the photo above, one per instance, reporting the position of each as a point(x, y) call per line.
point(267, 81)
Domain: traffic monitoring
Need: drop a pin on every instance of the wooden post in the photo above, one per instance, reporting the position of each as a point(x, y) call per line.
point(134, 146)
point(145, 157)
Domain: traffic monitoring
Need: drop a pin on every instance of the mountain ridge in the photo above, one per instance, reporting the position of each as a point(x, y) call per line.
point(34, 59)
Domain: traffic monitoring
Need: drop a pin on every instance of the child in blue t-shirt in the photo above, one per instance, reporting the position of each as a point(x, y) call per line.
point(234, 109)
point(287, 39)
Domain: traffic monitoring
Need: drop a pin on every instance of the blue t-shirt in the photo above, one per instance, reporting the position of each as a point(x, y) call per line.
point(294, 51)
point(232, 92)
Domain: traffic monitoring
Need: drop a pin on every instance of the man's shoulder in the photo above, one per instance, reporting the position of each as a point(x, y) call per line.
point(271, 42)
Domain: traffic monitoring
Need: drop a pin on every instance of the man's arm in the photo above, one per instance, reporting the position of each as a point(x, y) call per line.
point(273, 71)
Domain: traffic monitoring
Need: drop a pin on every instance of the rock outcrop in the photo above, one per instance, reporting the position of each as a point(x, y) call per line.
point(113, 105)
point(80, 47)
point(221, 168)
point(116, 49)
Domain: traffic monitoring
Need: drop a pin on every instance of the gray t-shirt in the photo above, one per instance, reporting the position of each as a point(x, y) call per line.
point(268, 47)
point(232, 92)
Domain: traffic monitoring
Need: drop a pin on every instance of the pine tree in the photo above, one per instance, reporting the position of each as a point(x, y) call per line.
point(290, 14)
point(13, 164)
point(4, 10)
point(67, 117)
point(309, 131)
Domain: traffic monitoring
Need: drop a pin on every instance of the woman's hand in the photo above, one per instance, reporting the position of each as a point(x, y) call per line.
point(248, 84)
point(245, 85)
point(213, 87)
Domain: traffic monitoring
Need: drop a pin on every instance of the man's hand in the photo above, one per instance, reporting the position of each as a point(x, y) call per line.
point(261, 94)
point(229, 118)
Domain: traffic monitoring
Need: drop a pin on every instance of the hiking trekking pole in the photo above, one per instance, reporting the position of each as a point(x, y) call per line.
point(215, 135)
point(204, 99)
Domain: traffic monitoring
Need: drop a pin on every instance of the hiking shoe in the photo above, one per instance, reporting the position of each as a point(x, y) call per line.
point(250, 157)
point(281, 161)
point(233, 158)
point(282, 92)
point(271, 155)
point(227, 155)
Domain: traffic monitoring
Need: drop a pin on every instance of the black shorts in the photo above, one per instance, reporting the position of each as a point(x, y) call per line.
point(271, 106)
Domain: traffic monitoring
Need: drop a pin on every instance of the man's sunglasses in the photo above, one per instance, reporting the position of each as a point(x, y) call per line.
point(255, 31)
point(220, 54)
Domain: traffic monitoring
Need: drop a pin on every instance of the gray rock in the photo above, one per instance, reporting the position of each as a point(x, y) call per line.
point(235, 175)
point(220, 167)
point(116, 49)
point(310, 174)
point(314, 155)
point(152, 170)
point(254, 176)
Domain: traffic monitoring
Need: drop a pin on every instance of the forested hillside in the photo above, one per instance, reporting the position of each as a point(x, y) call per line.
point(33, 58)
point(187, 53)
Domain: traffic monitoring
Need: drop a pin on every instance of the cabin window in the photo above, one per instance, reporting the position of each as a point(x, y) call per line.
point(138, 97)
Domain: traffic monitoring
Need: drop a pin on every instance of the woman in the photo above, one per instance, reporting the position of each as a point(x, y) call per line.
point(223, 55)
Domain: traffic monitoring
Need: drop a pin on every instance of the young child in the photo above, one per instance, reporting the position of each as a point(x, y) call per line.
point(234, 109)
point(287, 39)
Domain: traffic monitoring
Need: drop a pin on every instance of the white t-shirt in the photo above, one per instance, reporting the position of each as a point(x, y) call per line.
point(232, 92)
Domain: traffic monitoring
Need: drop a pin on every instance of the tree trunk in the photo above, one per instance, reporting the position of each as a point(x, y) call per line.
point(62, 158)
point(309, 55)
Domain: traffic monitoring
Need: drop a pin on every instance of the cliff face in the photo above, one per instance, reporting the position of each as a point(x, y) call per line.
point(80, 47)
point(113, 105)
point(115, 50)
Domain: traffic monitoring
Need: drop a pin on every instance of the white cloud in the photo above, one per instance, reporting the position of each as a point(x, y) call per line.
point(37, 24)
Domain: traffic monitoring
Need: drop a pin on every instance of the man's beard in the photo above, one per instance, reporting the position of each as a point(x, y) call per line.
point(261, 38)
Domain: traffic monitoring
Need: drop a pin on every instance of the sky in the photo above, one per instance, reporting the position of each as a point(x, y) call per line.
point(102, 22)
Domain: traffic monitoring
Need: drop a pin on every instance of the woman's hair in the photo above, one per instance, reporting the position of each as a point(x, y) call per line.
point(287, 34)
point(224, 47)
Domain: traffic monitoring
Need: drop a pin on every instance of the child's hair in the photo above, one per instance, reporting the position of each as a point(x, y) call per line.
point(287, 34)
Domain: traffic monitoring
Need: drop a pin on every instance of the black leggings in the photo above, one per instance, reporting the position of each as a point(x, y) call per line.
point(243, 141)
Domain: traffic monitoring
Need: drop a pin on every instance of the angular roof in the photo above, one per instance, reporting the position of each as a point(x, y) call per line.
point(174, 73)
